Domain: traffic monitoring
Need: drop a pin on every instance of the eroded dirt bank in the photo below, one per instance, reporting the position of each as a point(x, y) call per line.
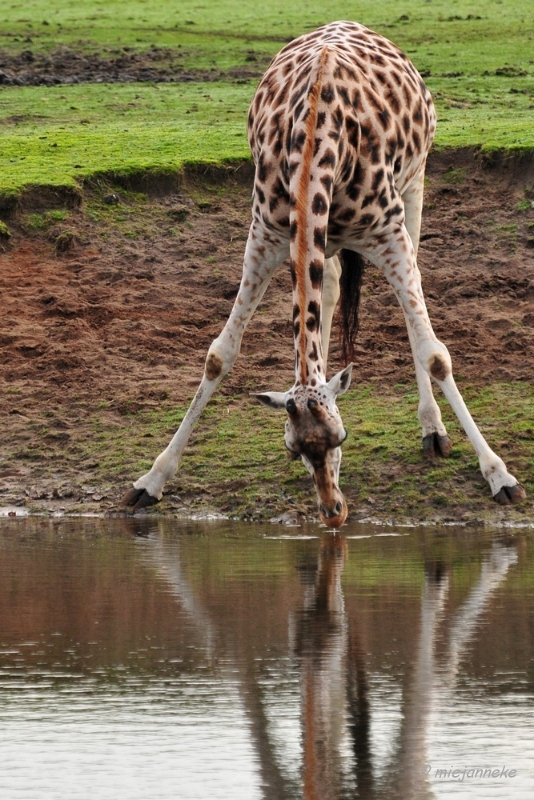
point(109, 309)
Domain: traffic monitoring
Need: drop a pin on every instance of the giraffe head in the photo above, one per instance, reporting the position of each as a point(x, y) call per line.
point(315, 432)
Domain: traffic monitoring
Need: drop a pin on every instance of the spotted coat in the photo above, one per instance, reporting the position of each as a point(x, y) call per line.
point(340, 127)
point(340, 124)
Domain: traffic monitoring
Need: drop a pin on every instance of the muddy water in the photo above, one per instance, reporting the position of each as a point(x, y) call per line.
point(170, 659)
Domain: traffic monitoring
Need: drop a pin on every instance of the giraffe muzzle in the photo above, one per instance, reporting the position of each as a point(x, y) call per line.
point(335, 516)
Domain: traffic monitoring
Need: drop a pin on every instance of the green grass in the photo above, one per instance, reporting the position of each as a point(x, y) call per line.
point(86, 130)
point(477, 58)
point(237, 460)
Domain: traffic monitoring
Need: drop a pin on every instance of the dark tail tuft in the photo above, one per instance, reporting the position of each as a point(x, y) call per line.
point(352, 266)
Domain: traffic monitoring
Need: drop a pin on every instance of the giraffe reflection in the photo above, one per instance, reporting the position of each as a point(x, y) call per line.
point(333, 677)
point(339, 755)
point(336, 708)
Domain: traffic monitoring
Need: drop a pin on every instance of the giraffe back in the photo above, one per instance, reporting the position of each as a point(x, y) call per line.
point(374, 125)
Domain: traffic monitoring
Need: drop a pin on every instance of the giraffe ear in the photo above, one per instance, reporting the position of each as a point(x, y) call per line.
point(274, 400)
point(340, 382)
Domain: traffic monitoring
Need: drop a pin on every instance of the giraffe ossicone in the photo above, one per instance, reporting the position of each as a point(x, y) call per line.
point(340, 127)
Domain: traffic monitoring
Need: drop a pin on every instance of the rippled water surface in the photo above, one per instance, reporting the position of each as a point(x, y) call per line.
point(170, 659)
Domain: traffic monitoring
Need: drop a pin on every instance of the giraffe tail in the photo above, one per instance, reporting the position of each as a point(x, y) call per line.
point(350, 283)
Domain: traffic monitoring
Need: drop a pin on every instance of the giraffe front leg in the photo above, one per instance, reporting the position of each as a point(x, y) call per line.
point(397, 259)
point(264, 252)
point(435, 359)
point(505, 489)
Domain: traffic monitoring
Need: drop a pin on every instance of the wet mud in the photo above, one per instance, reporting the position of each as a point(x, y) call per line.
point(66, 65)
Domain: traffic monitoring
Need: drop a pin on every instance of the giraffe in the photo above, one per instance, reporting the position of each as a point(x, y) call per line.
point(339, 128)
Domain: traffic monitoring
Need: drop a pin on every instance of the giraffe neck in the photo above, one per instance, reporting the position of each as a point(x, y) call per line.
point(308, 246)
point(309, 361)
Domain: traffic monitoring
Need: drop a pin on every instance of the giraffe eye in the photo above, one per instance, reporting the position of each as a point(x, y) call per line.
point(291, 406)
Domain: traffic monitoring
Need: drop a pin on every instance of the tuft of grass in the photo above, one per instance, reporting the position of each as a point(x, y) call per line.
point(41, 222)
point(455, 175)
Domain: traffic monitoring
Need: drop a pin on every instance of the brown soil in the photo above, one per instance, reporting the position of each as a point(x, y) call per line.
point(67, 66)
point(120, 311)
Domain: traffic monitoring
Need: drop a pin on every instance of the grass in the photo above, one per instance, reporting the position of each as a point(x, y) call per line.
point(70, 140)
point(476, 58)
point(237, 462)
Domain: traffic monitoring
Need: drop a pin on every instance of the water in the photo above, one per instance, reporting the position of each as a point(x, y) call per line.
point(170, 659)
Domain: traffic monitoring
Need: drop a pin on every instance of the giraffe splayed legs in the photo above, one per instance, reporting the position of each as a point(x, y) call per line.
point(339, 128)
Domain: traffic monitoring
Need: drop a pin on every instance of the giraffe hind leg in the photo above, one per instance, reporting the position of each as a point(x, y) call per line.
point(436, 441)
point(397, 261)
point(331, 292)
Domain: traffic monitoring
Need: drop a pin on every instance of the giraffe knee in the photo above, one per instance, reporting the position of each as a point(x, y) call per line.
point(220, 359)
point(439, 368)
point(214, 367)
point(437, 361)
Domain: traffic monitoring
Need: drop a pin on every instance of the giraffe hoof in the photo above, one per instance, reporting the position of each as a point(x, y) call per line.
point(436, 445)
point(510, 495)
point(137, 499)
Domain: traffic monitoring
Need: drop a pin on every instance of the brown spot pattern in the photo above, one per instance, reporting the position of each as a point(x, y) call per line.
point(340, 124)
point(439, 368)
point(213, 367)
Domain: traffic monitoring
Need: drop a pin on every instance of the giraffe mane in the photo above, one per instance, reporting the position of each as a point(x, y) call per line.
point(302, 205)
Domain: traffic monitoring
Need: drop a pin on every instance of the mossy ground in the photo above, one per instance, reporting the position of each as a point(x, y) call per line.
point(236, 462)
